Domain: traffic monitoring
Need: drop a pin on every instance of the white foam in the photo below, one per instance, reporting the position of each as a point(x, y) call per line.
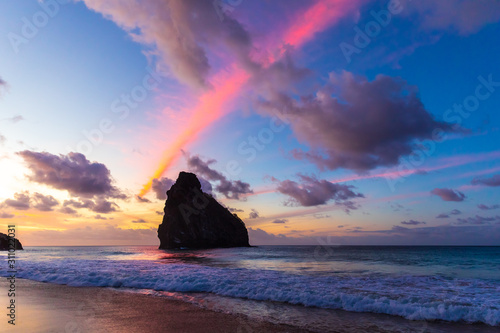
point(412, 297)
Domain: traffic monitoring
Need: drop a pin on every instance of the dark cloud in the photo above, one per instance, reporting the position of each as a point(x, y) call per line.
point(141, 199)
point(72, 172)
point(447, 215)
point(160, 186)
point(314, 192)
point(485, 207)
point(21, 201)
point(4, 215)
point(45, 203)
point(104, 207)
point(101, 205)
point(235, 210)
point(139, 221)
point(280, 221)
point(253, 214)
point(479, 220)
point(182, 33)
point(159, 212)
point(492, 181)
point(67, 210)
point(99, 217)
point(321, 216)
point(448, 194)
point(412, 222)
point(230, 189)
point(463, 16)
point(3, 86)
point(357, 124)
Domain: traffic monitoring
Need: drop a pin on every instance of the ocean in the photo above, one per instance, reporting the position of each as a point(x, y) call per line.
point(442, 289)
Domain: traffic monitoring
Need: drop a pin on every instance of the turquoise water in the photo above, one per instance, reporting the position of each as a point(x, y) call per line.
point(446, 284)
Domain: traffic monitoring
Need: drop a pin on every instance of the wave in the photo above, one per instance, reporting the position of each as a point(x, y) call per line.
point(411, 297)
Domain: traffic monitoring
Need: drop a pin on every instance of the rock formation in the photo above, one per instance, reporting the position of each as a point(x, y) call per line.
point(194, 219)
point(4, 243)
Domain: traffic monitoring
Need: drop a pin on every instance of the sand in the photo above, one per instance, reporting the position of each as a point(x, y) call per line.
point(43, 307)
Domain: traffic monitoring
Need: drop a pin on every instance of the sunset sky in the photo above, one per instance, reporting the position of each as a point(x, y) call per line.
point(317, 122)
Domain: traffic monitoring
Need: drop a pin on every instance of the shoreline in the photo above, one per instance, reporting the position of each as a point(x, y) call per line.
point(47, 307)
point(50, 307)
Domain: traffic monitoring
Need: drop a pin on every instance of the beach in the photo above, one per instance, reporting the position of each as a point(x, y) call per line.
point(263, 289)
point(45, 307)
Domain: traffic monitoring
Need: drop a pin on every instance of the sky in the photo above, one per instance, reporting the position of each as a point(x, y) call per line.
point(318, 122)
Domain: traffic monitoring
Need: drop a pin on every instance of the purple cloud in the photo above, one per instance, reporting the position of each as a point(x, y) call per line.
point(160, 187)
point(448, 194)
point(492, 181)
point(478, 220)
point(412, 222)
point(485, 207)
point(72, 172)
point(253, 214)
point(21, 201)
point(181, 33)
point(45, 203)
point(230, 189)
point(280, 221)
point(357, 124)
point(314, 192)
point(4, 215)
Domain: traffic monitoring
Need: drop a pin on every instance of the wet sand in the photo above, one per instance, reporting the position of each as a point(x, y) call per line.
point(44, 307)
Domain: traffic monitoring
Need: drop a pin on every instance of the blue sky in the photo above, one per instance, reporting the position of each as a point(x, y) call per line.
point(162, 88)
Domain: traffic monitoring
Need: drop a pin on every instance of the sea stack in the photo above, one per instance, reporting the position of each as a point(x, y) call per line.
point(196, 220)
point(7, 242)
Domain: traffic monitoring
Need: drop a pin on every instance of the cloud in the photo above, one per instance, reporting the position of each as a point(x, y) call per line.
point(99, 217)
point(485, 207)
point(3, 86)
point(280, 221)
point(230, 189)
point(235, 210)
point(455, 212)
point(463, 16)
point(141, 199)
point(160, 187)
point(101, 205)
point(492, 181)
point(356, 124)
point(139, 221)
point(71, 172)
point(448, 194)
point(314, 192)
point(2, 140)
point(159, 212)
point(412, 222)
point(45, 203)
point(445, 215)
point(180, 33)
point(479, 220)
point(21, 201)
point(398, 235)
point(67, 210)
point(15, 119)
point(4, 215)
point(253, 214)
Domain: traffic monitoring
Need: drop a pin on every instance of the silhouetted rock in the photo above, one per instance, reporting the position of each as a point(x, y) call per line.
point(194, 219)
point(5, 240)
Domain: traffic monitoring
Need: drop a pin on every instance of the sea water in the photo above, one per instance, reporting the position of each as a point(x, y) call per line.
point(297, 285)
